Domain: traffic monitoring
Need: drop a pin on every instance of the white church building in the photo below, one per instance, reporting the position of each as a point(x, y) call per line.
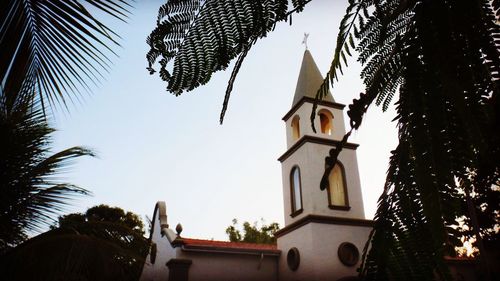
point(324, 232)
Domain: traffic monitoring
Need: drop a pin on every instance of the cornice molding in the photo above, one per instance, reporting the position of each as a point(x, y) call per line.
point(325, 220)
point(313, 139)
point(311, 100)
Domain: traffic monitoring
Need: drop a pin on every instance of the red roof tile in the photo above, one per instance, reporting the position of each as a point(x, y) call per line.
point(189, 242)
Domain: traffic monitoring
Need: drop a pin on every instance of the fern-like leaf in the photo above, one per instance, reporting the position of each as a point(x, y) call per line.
point(194, 38)
point(348, 27)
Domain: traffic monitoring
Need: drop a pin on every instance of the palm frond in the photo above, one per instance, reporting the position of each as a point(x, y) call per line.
point(33, 194)
point(54, 48)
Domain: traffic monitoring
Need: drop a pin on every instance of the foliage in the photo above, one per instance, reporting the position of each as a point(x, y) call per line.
point(32, 191)
point(104, 213)
point(64, 254)
point(253, 233)
point(442, 57)
point(52, 50)
point(441, 60)
point(104, 243)
point(123, 230)
point(203, 36)
point(48, 49)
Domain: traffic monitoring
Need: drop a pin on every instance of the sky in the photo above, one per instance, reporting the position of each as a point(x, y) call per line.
point(153, 146)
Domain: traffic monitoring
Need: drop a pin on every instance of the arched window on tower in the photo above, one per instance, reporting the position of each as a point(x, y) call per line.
point(326, 120)
point(296, 127)
point(296, 191)
point(337, 190)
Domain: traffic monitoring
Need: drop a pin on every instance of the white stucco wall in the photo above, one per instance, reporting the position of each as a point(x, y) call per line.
point(164, 250)
point(227, 267)
point(310, 158)
point(318, 245)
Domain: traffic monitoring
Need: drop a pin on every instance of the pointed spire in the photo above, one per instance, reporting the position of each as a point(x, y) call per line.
point(309, 81)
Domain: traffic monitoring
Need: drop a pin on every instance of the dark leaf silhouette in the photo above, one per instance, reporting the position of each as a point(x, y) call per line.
point(202, 37)
point(89, 251)
point(54, 50)
point(32, 189)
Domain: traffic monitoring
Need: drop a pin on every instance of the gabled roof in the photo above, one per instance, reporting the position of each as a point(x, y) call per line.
point(309, 81)
point(214, 245)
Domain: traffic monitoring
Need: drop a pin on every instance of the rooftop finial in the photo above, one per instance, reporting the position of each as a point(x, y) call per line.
point(178, 229)
point(306, 35)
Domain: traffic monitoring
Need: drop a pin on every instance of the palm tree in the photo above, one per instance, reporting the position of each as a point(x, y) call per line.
point(54, 50)
point(51, 51)
point(31, 190)
point(440, 59)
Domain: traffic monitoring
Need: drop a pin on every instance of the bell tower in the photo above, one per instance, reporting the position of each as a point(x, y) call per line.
point(324, 229)
point(303, 163)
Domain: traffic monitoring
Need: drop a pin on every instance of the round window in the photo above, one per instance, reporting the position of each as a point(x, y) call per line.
point(348, 254)
point(293, 258)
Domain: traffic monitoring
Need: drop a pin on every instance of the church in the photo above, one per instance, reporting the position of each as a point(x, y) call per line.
point(325, 231)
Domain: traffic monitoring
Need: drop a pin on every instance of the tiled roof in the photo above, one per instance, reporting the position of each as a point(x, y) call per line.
point(222, 245)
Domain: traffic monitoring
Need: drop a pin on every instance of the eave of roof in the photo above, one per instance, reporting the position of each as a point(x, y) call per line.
point(227, 247)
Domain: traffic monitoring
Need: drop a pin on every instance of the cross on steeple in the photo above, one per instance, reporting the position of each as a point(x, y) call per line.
point(306, 35)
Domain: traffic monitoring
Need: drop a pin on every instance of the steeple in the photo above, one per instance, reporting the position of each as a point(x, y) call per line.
point(309, 81)
point(304, 161)
point(330, 120)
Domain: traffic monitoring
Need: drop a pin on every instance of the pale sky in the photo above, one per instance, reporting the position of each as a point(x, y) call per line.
point(153, 146)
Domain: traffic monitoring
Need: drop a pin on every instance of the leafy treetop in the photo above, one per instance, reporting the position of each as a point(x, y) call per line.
point(105, 239)
point(252, 233)
point(104, 213)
